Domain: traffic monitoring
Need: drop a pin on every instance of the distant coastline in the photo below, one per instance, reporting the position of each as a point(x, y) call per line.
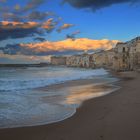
point(25, 65)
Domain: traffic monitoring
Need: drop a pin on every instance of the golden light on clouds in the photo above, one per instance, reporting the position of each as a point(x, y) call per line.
point(65, 26)
point(14, 25)
point(68, 44)
point(48, 24)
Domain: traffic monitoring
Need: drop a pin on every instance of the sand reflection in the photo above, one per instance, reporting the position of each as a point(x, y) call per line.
point(79, 94)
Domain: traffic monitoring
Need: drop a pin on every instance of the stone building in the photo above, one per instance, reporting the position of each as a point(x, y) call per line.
point(95, 60)
point(127, 55)
point(73, 61)
point(121, 59)
point(135, 52)
point(58, 60)
point(103, 59)
point(99, 59)
point(78, 60)
point(109, 58)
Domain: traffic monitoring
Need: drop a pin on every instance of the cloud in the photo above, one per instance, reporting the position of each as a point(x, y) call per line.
point(17, 29)
point(49, 25)
point(19, 21)
point(33, 4)
point(20, 12)
point(7, 25)
point(36, 15)
point(15, 59)
point(76, 32)
point(41, 39)
point(11, 16)
point(73, 35)
point(96, 4)
point(64, 26)
point(59, 47)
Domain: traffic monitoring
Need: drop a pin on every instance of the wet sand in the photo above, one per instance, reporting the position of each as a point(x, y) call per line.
point(115, 116)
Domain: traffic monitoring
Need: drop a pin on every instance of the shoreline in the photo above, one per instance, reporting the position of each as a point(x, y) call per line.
point(74, 96)
point(90, 119)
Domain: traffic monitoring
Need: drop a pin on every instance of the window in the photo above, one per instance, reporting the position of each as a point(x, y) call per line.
point(123, 49)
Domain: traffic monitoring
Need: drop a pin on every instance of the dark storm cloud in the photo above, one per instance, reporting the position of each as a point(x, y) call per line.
point(96, 4)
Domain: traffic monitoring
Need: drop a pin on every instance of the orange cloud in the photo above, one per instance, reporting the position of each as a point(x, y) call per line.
point(65, 26)
point(68, 44)
point(15, 25)
point(48, 24)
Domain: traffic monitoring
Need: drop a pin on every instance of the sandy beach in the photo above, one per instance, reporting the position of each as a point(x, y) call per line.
point(115, 116)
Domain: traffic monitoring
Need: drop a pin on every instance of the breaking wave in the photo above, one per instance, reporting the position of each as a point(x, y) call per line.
point(34, 77)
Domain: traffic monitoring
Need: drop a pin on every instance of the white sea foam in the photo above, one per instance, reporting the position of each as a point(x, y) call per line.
point(35, 77)
point(23, 105)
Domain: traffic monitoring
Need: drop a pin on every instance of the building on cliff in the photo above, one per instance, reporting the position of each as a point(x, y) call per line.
point(121, 59)
point(95, 60)
point(127, 55)
point(58, 60)
point(103, 59)
point(78, 60)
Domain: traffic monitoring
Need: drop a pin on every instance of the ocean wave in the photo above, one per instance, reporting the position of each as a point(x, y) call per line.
point(25, 82)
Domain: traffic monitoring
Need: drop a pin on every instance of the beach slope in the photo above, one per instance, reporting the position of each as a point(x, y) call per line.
point(115, 116)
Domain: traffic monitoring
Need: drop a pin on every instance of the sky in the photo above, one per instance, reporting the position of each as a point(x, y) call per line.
point(31, 29)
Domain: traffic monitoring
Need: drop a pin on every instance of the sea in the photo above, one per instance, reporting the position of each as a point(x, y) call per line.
point(26, 98)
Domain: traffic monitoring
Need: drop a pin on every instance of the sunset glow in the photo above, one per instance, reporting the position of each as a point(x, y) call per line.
point(78, 44)
point(15, 25)
point(44, 27)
